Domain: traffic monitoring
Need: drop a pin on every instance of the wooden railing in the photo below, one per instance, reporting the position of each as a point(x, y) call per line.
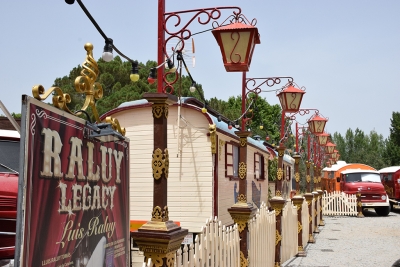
point(339, 204)
point(217, 245)
point(262, 230)
point(289, 246)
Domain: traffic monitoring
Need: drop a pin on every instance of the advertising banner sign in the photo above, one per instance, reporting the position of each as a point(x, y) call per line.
point(74, 199)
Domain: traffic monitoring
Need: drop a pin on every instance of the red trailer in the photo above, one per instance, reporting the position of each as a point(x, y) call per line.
point(390, 177)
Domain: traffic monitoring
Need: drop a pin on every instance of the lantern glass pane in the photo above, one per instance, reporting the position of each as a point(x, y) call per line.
point(235, 45)
point(322, 139)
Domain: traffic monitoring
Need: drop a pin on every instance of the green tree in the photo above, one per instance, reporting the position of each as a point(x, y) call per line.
point(392, 152)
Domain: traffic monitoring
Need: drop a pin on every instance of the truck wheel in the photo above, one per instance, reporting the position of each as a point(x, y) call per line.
point(382, 211)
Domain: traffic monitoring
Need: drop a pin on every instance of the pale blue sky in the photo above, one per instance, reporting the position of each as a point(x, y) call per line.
point(346, 53)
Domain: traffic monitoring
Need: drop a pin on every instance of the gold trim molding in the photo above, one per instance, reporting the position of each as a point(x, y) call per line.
point(213, 137)
point(242, 198)
point(278, 237)
point(159, 110)
point(243, 141)
point(159, 215)
point(279, 174)
point(243, 261)
point(242, 170)
point(160, 163)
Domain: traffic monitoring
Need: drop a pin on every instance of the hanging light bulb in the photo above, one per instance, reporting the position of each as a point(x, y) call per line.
point(134, 72)
point(193, 87)
point(230, 125)
point(171, 66)
point(204, 109)
point(261, 127)
point(108, 50)
point(152, 76)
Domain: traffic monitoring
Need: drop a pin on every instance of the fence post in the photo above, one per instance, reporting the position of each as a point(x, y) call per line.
point(315, 196)
point(277, 204)
point(359, 206)
point(242, 211)
point(320, 194)
point(309, 198)
point(298, 202)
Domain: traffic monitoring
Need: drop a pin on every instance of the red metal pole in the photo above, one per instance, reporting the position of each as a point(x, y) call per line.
point(243, 99)
point(282, 125)
point(297, 138)
point(160, 47)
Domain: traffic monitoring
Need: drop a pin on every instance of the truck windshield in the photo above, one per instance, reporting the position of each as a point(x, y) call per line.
point(363, 177)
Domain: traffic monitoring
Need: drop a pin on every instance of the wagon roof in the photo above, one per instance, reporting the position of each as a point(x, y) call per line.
point(390, 169)
point(359, 171)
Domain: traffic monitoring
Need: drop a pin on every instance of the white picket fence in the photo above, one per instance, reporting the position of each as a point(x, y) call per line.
point(289, 245)
point(217, 245)
point(305, 223)
point(339, 204)
point(262, 230)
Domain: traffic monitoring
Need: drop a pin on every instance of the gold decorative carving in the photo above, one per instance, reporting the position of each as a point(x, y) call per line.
point(297, 177)
point(359, 204)
point(85, 84)
point(243, 141)
point(170, 259)
point(308, 201)
point(277, 264)
point(213, 137)
point(308, 178)
point(241, 220)
point(115, 125)
point(160, 215)
point(243, 261)
point(299, 227)
point(159, 110)
point(319, 179)
point(278, 237)
point(279, 174)
point(315, 180)
point(160, 163)
point(242, 170)
point(156, 259)
point(221, 144)
point(277, 208)
point(300, 248)
point(156, 215)
point(242, 198)
point(309, 218)
point(278, 193)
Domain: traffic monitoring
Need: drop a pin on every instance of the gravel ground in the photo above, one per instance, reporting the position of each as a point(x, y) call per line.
point(371, 241)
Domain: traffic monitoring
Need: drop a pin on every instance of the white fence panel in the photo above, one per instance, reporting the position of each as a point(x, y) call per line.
point(262, 230)
point(339, 204)
point(289, 247)
point(216, 246)
point(305, 223)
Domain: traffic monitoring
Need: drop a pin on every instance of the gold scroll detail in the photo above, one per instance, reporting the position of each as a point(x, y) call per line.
point(221, 144)
point(241, 220)
point(300, 248)
point(243, 141)
point(160, 215)
point(278, 237)
point(297, 177)
point(86, 83)
point(242, 198)
point(160, 163)
point(309, 218)
point(213, 137)
point(308, 178)
point(315, 180)
point(278, 193)
point(299, 227)
point(242, 170)
point(243, 261)
point(170, 259)
point(159, 110)
point(279, 174)
point(277, 208)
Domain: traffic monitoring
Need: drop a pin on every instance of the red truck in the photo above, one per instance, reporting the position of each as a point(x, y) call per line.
point(9, 169)
point(368, 183)
point(390, 177)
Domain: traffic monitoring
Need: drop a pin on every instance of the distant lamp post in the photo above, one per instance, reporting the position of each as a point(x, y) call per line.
point(290, 99)
point(237, 41)
point(330, 147)
point(322, 139)
point(316, 124)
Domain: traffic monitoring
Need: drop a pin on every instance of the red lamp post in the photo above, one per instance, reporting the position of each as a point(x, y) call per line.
point(330, 147)
point(316, 124)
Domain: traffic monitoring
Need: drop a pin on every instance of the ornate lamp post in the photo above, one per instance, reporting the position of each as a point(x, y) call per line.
point(159, 238)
